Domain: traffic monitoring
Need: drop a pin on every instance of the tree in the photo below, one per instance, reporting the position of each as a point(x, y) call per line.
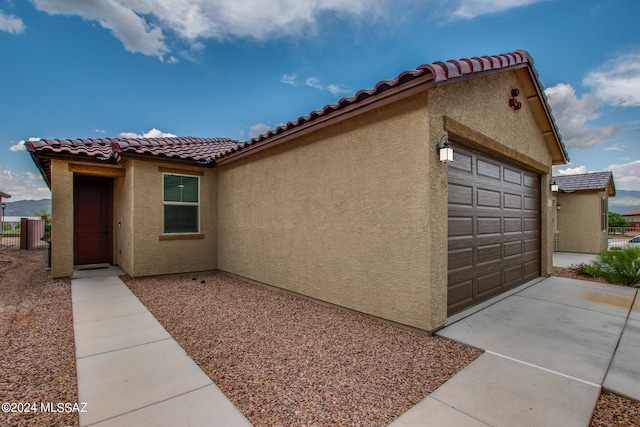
point(617, 220)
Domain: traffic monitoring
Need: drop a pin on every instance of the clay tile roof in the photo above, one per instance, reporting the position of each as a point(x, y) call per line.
point(585, 182)
point(5, 195)
point(632, 213)
point(202, 150)
point(436, 73)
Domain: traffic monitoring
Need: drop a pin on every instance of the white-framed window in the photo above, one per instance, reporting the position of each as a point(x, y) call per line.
point(181, 203)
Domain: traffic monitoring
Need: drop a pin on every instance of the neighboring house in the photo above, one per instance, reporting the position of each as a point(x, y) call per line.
point(349, 205)
point(2, 205)
point(633, 218)
point(6, 196)
point(582, 208)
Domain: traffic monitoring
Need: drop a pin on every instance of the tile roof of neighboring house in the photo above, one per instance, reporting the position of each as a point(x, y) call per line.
point(5, 195)
point(586, 182)
point(632, 213)
point(214, 150)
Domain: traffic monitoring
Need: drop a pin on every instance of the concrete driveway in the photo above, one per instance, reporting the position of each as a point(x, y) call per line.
point(549, 348)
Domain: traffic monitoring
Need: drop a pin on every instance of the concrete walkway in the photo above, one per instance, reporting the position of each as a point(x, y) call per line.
point(549, 348)
point(567, 259)
point(131, 372)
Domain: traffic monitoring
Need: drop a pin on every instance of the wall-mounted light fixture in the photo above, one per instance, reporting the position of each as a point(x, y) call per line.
point(554, 187)
point(558, 207)
point(444, 149)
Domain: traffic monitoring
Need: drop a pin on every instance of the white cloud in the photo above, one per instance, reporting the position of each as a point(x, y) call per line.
point(573, 114)
point(469, 9)
point(339, 90)
point(19, 146)
point(170, 60)
point(617, 81)
point(627, 175)
point(314, 82)
point(623, 201)
point(100, 131)
point(11, 24)
point(124, 21)
point(336, 90)
point(141, 25)
point(153, 133)
point(23, 186)
point(573, 171)
point(616, 148)
point(289, 79)
point(258, 129)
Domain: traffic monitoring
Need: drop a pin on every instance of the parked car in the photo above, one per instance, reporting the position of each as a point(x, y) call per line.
point(624, 243)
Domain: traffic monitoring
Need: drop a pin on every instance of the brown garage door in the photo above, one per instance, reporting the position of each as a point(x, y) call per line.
point(494, 227)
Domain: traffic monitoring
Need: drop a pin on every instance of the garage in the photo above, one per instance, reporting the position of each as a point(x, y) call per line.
point(494, 227)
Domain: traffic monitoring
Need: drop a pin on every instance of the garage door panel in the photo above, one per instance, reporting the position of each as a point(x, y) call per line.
point(489, 253)
point(532, 181)
point(494, 243)
point(512, 176)
point(460, 258)
point(460, 295)
point(488, 198)
point(512, 225)
point(513, 201)
point(488, 225)
point(489, 283)
point(488, 169)
point(460, 194)
point(462, 162)
point(512, 275)
point(460, 226)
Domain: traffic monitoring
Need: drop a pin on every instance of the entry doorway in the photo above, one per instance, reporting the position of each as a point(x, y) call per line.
point(93, 220)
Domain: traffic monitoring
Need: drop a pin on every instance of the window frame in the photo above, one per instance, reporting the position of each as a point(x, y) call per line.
point(172, 203)
point(604, 214)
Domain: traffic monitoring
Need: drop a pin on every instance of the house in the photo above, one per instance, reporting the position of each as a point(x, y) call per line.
point(350, 204)
point(633, 218)
point(582, 208)
point(6, 196)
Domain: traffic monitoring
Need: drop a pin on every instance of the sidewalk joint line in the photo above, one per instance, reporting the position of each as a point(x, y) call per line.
point(124, 348)
point(543, 369)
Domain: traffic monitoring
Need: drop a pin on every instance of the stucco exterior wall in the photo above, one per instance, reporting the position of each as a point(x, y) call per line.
point(144, 252)
point(61, 219)
point(123, 195)
point(477, 113)
point(341, 215)
point(579, 223)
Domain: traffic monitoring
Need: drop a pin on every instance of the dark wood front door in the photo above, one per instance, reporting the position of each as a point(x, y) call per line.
point(494, 227)
point(93, 207)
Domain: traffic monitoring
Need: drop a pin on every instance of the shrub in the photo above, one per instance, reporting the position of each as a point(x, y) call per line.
point(620, 266)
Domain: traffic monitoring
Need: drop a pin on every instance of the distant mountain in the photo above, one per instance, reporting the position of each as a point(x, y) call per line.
point(25, 208)
point(624, 201)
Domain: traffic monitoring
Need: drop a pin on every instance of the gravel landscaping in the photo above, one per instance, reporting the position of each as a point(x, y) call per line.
point(285, 360)
point(282, 359)
point(37, 354)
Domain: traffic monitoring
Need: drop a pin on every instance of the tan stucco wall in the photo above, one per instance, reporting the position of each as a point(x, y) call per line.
point(123, 218)
point(356, 214)
point(143, 253)
point(61, 219)
point(341, 215)
point(137, 222)
point(579, 223)
point(477, 113)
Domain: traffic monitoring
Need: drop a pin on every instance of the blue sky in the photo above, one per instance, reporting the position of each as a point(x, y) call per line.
point(214, 68)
